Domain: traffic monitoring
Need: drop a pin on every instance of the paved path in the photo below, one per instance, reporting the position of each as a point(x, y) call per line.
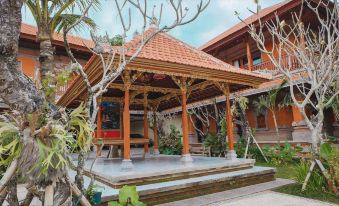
point(269, 198)
point(254, 195)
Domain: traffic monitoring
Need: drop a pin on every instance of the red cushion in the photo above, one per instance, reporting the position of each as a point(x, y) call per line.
point(115, 134)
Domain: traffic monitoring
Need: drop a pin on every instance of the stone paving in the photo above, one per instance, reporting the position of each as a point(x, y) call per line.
point(269, 198)
point(254, 195)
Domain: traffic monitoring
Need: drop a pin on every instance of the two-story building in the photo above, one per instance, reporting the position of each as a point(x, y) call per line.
point(235, 46)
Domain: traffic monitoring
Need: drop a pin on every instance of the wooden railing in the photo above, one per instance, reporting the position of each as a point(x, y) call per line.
point(61, 90)
point(287, 61)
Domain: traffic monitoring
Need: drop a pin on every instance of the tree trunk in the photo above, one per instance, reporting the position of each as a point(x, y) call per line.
point(46, 59)
point(28, 199)
point(276, 126)
point(3, 195)
point(79, 177)
point(16, 90)
point(12, 192)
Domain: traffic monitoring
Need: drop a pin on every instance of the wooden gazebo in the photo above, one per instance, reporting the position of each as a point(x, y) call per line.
point(167, 73)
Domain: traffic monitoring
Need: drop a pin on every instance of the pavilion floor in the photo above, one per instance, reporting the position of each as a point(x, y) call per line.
point(163, 178)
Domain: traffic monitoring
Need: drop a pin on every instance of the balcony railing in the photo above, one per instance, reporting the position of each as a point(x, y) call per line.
point(287, 61)
point(61, 90)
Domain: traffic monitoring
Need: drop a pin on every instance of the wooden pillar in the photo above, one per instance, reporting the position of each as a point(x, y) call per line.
point(229, 120)
point(126, 122)
point(185, 142)
point(146, 149)
point(99, 122)
point(249, 54)
point(155, 133)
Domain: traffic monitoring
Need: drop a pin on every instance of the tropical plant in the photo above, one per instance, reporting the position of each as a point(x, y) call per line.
point(128, 196)
point(317, 181)
point(53, 16)
point(171, 144)
point(281, 154)
point(330, 158)
point(92, 191)
point(217, 142)
point(79, 126)
point(10, 143)
point(269, 102)
point(117, 40)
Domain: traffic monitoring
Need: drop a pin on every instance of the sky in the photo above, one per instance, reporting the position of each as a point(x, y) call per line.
point(215, 19)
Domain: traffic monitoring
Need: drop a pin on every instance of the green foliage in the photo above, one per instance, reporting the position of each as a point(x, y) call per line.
point(10, 144)
point(91, 191)
point(52, 151)
point(330, 158)
point(281, 154)
point(171, 144)
point(217, 142)
point(317, 181)
point(128, 196)
point(240, 105)
point(80, 127)
point(117, 40)
point(63, 77)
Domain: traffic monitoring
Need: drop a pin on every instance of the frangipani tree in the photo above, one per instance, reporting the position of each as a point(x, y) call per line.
point(316, 82)
point(115, 58)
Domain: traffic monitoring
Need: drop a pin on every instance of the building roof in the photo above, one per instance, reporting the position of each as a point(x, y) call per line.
point(164, 54)
point(166, 48)
point(242, 26)
point(30, 31)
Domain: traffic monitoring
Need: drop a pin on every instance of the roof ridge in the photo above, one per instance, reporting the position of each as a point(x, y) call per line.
point(221, 35)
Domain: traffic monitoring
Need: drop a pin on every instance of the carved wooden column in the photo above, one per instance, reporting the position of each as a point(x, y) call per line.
point(249, 54)
point(155, 133)
point(126, 163)
point(146, 148)
point(231, 154)
point(98, 133)
point(183, 84)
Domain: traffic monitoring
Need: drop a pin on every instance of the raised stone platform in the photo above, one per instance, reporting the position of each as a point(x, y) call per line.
point(161, 168)
point(162, 179)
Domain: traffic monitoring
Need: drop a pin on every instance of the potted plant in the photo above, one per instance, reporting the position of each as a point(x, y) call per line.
point(93, 193)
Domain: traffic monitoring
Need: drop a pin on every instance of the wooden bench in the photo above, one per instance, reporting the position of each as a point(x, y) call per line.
point(199, 149)
point(101, 142)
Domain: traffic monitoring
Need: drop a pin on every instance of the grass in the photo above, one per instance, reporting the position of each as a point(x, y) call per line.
point(295, 189)
point(289, 172)
point(283, 171)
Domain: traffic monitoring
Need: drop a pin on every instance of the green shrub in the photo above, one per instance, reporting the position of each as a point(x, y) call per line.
point(317, 181)
point(281, 154)
point(128, 196)
point(171, 144)
point(216, 143)
point(329, 156)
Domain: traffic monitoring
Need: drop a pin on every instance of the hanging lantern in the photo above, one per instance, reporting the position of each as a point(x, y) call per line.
point(159, 76)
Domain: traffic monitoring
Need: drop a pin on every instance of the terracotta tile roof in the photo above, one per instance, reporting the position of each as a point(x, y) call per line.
point(264, 12)
point(164, 47)
point(32, 31)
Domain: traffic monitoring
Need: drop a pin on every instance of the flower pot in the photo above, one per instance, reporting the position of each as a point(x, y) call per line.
point(96, 199)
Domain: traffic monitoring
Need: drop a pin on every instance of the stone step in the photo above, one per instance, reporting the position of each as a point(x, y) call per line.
point(162, 192)
point(171, 175)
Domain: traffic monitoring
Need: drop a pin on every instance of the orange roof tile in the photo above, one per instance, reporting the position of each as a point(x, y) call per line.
point(166, 48)
point(264, 12)
point(30, 30)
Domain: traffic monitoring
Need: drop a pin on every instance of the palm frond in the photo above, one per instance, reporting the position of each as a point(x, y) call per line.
point(66, 20)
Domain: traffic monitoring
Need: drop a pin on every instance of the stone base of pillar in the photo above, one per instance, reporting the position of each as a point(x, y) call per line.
point(126, 165)
point(231, 155)
point(186, 158)
point(147, 155)
point(156, 152)
point(301, 133)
